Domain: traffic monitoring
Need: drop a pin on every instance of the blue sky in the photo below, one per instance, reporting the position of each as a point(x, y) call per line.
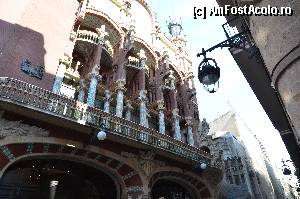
point(234, 93)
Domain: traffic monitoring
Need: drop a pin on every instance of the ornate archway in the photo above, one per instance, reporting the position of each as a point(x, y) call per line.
point(50, 176)
point(126, 179)
point(188, 184)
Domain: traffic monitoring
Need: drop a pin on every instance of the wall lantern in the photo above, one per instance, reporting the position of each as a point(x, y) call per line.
point(101, 135)
point(209, 73)
point(208, 70)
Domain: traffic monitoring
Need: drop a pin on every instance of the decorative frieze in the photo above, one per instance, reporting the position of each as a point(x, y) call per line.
point(145, 161)
point(17, 128)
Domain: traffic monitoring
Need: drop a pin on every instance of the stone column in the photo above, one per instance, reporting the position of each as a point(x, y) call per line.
point(175, 116)
point(176, 126)
point(82, 87)
point(142, 64)
point(63, 64)
point(161, 120)
point(120, 88)
point(107, 101)
point(143, 108)
point(128, 110)
point(94, 78)
point(190, 137)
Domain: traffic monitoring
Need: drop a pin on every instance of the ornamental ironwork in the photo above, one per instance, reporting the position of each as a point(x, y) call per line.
point(31, 96)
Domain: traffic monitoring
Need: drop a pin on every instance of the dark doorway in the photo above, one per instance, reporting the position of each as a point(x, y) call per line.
point(55, 179)
point(165, 189)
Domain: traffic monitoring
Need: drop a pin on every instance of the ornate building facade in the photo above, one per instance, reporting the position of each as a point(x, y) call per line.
point(246, 174)
point(73, 72)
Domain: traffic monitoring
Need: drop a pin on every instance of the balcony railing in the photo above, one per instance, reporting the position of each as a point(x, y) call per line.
point(88, 36)
point(92, 37)
point(30, 96)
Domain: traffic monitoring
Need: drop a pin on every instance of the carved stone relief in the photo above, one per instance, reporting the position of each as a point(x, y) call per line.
point(145, 161)
point(17, 128)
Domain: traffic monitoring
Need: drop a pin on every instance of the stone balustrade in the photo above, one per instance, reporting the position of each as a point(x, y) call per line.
point(133, 62)
point(88, 36)
point(92, 37)
point(30, 96)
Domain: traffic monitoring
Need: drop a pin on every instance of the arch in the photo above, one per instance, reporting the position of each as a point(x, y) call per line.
point(195, 186)
point(101, 15)
point(118, 182)
point(118, 167)
point(147, 48)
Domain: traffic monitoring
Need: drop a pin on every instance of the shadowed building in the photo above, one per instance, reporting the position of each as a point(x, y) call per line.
point(97, 103)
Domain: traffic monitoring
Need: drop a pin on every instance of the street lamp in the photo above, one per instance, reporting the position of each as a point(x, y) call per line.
point(101, 135)
point(209, 73)
point(208, 70)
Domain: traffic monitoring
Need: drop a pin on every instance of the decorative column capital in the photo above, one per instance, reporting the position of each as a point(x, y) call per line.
point(160, 105)
point(82, 84)
point(65, 60)
point(120, 85)
point(128, 105)
point(107, 95)
point(94, 76)
point(143, 95)
point(188, 121)
point(95, 72)
point(175, 112)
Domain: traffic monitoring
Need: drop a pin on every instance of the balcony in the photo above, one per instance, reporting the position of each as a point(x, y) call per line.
point(31, 97)
point(93, 38)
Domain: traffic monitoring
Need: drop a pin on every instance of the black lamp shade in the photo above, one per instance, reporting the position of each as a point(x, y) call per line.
point(209, 74)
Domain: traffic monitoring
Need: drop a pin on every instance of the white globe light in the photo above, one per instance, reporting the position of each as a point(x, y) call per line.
point(203, 166)
point(101, 135)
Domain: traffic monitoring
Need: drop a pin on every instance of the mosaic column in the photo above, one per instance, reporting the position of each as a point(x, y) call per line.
point(161, 116)
point(143, 108)
point(82, 87)
point(63, 64)
point(176, 126)
point(128, 110)
point(190, 137)
point(107, 101)
point(94, 78)
point(120, 88)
